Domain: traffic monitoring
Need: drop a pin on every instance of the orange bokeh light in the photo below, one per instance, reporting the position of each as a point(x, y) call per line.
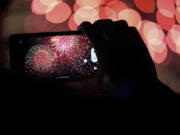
point(167, 8)
point(38, 8)
point(178, 14)
point(86, 13)
point(91, 3)
point(59, 14)
point(49, 2)
point(177, 2)
point(107, 13)
point(146, 6)
point(165, 22)
point(132, 17)
point(72, 25)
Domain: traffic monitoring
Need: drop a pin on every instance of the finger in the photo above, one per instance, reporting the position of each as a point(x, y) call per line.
point(104, 28)
point(121, 24)
point(85, 26)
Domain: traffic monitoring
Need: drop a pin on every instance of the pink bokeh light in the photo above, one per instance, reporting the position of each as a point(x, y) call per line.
point(167, 8)
point(59, 14)
point(165, 22)
point(154, 38)
point(132, 17)
point(173, 39)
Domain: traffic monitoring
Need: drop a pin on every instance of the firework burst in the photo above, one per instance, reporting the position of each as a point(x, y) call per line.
point(40, 59)
point(60, 56)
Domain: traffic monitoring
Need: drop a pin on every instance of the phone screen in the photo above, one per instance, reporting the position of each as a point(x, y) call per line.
point(61, 56)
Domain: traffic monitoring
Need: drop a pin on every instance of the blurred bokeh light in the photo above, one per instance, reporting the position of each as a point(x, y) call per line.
point(156, 20)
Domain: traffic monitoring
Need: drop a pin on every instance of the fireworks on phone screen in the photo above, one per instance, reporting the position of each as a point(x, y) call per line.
point(61, 57)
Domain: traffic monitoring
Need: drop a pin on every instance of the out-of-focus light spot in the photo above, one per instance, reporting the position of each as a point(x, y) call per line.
point(52, 6)
point(178, 14)
point(38, 8)
point(75, 7)
point(156, 45)
point(40, 23)
point(165, 22)
point(29, 25)
point(71, 23)
point(34, 23)
point(177, 2)
point(86, 13)
point(59, 14)
point(107, 13)
point(146, 6)
point(160, 57)
point(95, 68)
point(167, 8)
point(49, 2)
point(104, 2)
point(152, 30)
point(173, 39)
point(91, 3)
point(132, 17)
point(117, 6)
point(93, 56)
point(154, 38)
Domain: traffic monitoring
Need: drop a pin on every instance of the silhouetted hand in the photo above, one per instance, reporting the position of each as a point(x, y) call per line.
point(121, 51)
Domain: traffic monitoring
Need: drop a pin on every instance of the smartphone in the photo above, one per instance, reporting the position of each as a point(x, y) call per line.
point(59, 55)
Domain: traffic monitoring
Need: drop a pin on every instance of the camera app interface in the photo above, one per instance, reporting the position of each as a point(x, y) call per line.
point(60, 57)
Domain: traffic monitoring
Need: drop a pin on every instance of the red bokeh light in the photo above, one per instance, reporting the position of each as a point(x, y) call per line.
point(59, 14)
point(117, 6)
point(165, 22)
point(132, 17)
point(167, 8)
point(146, 6)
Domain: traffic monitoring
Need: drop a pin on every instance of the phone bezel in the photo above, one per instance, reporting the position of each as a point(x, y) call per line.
point(16, 66)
